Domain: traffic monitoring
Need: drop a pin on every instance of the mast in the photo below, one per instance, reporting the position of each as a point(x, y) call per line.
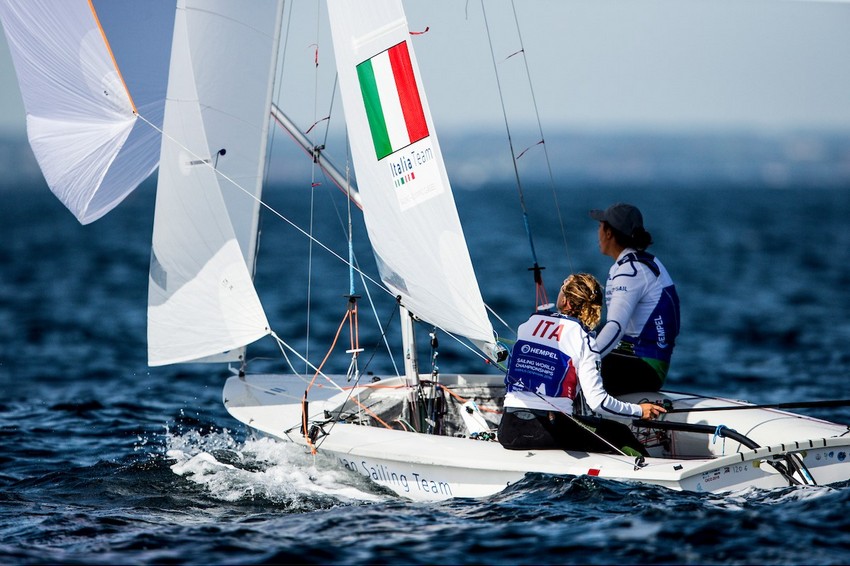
point(408, 340)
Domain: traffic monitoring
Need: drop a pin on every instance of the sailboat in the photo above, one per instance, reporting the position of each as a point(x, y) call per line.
point(100, 121)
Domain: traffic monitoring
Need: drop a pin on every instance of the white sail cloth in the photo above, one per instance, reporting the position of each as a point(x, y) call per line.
point(408, 205)
point(202, 300)
point(81, 117)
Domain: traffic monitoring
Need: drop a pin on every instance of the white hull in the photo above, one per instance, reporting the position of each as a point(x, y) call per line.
point(431, 467)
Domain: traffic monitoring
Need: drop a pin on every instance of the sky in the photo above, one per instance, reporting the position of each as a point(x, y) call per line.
point(671, 64)
point(602, 65)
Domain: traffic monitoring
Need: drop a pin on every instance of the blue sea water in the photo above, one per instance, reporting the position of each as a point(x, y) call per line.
point(104, 460)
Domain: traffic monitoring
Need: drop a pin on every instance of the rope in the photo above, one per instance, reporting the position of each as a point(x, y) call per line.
point(579, 423)
point(462, 401)
point(115, 66)
point(330, 350)
point(282, 344)
point(291, 365)
point(371, 412)
point(718, 433)
point(312, 381)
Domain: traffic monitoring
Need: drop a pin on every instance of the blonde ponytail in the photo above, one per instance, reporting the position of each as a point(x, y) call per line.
point(581, 297)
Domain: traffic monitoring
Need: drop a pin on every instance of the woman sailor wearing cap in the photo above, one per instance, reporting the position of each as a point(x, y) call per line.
point(637, 339)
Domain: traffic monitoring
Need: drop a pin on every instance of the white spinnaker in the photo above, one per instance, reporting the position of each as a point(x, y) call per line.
point(202, 300)
point(408, 205)
point(81, 121)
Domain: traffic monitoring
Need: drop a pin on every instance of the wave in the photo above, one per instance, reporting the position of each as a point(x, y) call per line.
point(263, 469)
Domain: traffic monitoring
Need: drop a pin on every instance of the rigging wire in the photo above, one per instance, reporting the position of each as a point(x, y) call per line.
point(350, 229)
point(312, 187)
point(541, 299)
point(383, 338)
point(330, 110)
point(382, 328)
point(352, 261)
point(499, 318)
point(314, 152)
point(352, 296)
point(354, 328)
point(283, 344)
point(542, 141)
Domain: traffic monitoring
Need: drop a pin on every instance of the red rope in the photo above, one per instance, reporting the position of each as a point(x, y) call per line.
point(312, 381)
point(540, 295)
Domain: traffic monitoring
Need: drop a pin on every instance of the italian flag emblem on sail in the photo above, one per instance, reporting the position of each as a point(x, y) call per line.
point(391, 97)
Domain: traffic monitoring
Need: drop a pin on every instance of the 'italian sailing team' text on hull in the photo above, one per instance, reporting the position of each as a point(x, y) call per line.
point(793, 449)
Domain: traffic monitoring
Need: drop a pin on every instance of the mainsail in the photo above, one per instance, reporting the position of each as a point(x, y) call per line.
point(86, 71)
point(202, 300)
point(408, 205)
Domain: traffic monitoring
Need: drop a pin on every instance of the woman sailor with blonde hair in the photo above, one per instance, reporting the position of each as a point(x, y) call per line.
point(556, 357)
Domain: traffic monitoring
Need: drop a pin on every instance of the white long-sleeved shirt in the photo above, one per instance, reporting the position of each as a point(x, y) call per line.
point(553, 359)
point(642, 308)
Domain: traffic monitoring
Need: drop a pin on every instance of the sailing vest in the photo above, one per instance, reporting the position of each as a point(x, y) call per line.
point(657, 336)
point(538, 362)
